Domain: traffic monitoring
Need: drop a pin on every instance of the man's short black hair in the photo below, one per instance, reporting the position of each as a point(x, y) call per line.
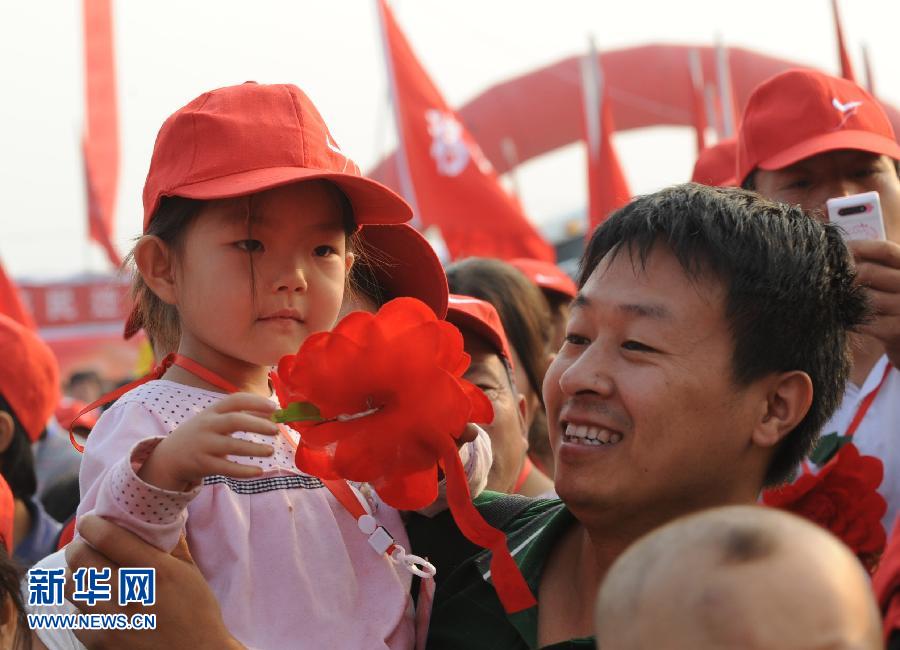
point(17, 462)
point(791, 295)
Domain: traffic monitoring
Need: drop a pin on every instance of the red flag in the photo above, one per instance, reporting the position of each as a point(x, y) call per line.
point(11, 303)
point(699, 98)
point(100, 147)
point(846, 65)
point(607, 187)
point(443, 172)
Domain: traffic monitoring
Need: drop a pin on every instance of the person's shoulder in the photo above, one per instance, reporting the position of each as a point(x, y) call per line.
point(511, 512)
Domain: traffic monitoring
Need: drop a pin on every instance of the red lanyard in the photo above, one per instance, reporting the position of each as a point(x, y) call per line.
point(866, 403)
point(527, 468)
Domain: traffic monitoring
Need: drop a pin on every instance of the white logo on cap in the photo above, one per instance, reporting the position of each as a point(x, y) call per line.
point(846, 110)
point(348, 164)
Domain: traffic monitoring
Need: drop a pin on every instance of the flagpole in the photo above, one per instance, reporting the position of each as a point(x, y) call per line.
point(726, 96)
point(406, 185)
point(592, 90)
point(867, 68)
point(701, 119)
point(511, 155)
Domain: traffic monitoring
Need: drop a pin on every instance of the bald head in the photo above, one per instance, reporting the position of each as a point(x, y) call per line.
point(744, 577)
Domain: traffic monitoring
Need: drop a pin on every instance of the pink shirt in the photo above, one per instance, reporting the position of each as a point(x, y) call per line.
point(287, 562)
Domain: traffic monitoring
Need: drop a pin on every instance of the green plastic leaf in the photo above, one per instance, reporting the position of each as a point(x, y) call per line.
point(298, 412)
point(827, 447)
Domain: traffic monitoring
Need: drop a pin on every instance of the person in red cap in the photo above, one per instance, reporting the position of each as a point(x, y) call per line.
point(250, 218)
point(715, 164)
point(807, 137)
point(491, 370)
point(29, 392)
point(558, 288)
point(393, 261)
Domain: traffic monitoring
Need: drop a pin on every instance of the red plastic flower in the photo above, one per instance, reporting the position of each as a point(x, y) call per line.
point(843, 498)
point(406, 366)
point(381, 399)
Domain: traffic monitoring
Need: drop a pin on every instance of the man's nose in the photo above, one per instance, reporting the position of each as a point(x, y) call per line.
point(587, 373)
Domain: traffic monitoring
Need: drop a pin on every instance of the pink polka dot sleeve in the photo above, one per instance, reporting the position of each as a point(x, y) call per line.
point(111, 488)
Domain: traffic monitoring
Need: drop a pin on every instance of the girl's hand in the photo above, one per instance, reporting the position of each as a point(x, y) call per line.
point(198, 448)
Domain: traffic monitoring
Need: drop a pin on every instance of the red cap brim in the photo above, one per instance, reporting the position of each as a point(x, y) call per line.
point(372, 202)
point(837, 140)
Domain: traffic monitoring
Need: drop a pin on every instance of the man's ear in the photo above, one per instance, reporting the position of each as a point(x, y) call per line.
point(7, 430)
point(522, 408)
point(156, 263)
point(788, 400)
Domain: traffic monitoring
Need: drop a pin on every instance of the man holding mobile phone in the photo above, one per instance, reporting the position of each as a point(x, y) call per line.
point(807, 137)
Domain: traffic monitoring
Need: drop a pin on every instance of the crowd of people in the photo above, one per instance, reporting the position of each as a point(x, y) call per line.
point(666, 426)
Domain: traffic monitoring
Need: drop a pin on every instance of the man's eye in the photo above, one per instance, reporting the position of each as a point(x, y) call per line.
point(576, 339)
point(798, 184)
point(250, 245)
point(637, 346)
point(325, 251)
point(866, 172)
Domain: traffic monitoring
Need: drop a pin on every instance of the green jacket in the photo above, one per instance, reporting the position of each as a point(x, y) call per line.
point(467, 613)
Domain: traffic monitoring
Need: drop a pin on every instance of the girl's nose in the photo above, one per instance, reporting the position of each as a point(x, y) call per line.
point(292, 281)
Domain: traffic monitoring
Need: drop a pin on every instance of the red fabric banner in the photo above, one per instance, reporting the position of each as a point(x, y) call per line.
point(444, 174)
point(846, 64)
point(607, 187)
point(100, 147)
point(10, 302)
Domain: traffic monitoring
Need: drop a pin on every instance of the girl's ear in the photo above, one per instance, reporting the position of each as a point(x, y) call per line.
point(348, 261)
point(156, 263)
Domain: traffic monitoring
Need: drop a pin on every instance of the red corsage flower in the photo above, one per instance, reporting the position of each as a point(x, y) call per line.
point(381, 399)
point(843, 498)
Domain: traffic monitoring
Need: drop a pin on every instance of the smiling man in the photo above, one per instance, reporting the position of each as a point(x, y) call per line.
point(706, 347)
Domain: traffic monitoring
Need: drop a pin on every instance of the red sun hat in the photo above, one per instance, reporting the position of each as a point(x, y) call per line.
point(715, 164)
point(405, 265)
point(67, 414)
point(29, 376)
point(244, 139)
point(800, 113)
point(479, 317)
point(547, 276)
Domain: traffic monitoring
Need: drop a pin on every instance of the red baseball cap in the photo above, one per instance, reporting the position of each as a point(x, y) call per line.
point(244, 139)
point(480, 317)
point(547, 276)
point(800, 113)
point(7, 515)
point(67, 414)
point(29, 376)
point(405, 264)
point(715, 165)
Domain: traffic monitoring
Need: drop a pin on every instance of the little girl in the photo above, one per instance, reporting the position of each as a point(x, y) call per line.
point(249, 215)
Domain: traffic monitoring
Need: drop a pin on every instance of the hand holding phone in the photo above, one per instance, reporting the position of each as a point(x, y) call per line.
point(858, 216)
